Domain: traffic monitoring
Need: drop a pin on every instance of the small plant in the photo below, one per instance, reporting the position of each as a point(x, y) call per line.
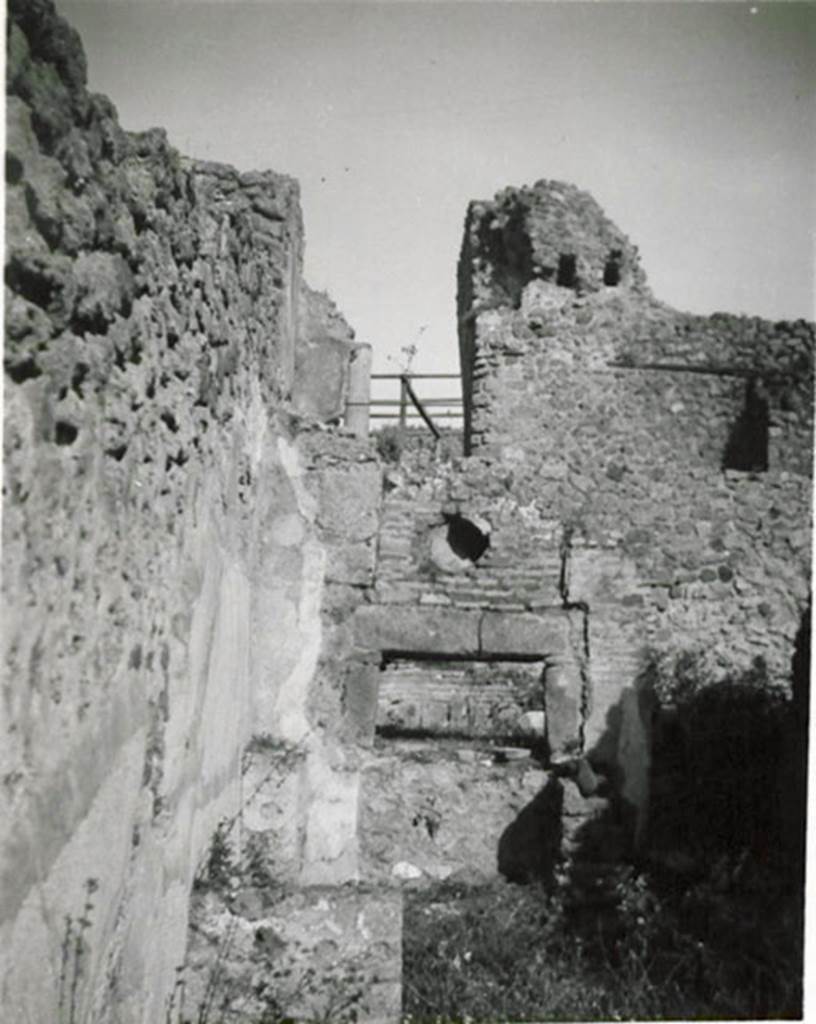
point(334, 994)
point(409, 353)
point(220, 866)
point(174, 1013)
point(74, 955)
point(266, 989)
point(256, 867)
point(218, 991)
point(390, 443)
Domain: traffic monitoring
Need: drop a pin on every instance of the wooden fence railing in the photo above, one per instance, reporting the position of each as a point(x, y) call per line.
point(410, 406)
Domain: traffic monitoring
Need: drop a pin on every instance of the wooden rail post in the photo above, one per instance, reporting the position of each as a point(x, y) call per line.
point(358, 403)
point(406, 387)
point(403, 407)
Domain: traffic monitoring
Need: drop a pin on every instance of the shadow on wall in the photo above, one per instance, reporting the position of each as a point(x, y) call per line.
point(729, 769)
point(705, 770)
point(530, 846)
point(798, 750)
point(747, 447)
point(510, 254)
point(705, 920)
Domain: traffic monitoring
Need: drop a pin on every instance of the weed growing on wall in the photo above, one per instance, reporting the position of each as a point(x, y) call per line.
point(221, 864)
point(75, 951)
point(239, 968)
point(219, 867)
point(175, 1001)
point(280, 977)
point(389, 443)
point(218, 990)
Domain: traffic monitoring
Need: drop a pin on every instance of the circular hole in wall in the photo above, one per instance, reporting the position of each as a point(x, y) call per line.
point(458, 542)
point(466, 538)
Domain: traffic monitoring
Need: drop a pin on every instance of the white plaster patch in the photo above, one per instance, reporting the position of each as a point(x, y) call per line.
point(298, 628)
point(362, 928)
point(256, 422)
point(290, 462)
point(406, 871)
point(310, 626)
point(533, 722)
point(331, 799)
point(222, 716)
point(287, 530)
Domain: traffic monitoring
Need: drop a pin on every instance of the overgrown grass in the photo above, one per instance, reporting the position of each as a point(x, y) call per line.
point(519, 953)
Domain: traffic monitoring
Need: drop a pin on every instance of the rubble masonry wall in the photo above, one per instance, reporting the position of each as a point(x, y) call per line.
point(166, 544)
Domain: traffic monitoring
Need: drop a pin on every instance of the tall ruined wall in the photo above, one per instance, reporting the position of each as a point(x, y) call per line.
point(163, 559)
point(565, 244)
point(671, 452)
point(547, 364)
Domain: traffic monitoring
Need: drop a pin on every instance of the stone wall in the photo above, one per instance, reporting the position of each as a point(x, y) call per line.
point(325, 350)
point(476, 668)
point(226, 635)
point(671, 453)
point(547, 365)
point(166, 543)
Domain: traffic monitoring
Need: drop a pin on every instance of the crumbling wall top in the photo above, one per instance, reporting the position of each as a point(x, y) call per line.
point(552, 232)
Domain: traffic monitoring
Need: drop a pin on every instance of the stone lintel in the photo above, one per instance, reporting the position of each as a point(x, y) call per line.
point(525, 633)
point(432, 630)
point(464, 633)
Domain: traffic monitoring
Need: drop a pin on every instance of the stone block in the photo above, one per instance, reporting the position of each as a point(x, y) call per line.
point(360, 694)
point(321, 372)
point(349, 500)
point(563, 698)
point(523, 633)
point(615, 664)
point(351, 563)
point(442, 631)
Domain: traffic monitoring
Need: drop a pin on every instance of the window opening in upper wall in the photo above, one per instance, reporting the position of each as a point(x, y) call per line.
point(567, 265)
point(612, 269)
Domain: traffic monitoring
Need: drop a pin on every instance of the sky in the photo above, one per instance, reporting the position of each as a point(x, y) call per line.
point(693, 125)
